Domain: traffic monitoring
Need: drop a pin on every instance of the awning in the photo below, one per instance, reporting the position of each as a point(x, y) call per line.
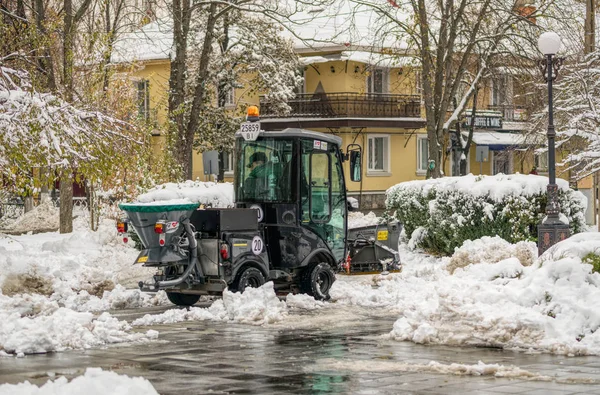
point(498, 141)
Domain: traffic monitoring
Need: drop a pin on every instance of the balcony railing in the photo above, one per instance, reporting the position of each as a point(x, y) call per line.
point(347, 104)
point(511, 112)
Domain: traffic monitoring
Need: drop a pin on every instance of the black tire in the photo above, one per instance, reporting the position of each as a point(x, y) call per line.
point(317, 281)
point(182, 299)
point(248, 277)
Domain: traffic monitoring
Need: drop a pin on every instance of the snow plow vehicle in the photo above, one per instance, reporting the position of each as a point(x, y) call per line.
point(289, 224)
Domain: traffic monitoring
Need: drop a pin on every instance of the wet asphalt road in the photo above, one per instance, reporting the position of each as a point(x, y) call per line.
point(347, 354)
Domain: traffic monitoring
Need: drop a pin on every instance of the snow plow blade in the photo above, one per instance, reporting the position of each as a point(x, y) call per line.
point(373, 249)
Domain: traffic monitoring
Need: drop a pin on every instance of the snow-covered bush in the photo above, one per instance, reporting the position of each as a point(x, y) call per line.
point(440, 214)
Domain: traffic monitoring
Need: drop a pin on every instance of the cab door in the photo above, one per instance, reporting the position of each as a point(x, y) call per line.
point(323, 197)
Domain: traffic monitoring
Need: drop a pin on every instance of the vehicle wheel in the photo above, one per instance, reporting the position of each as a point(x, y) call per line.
point(249, 277)
point(317, 281)
point(182, 299)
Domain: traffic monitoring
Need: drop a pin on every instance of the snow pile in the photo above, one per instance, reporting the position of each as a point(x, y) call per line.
point(94, 381)
point(492, 250)
point(209, 194)
point(358, 220)
point(458, 369)
point(548, 306)
point(61, 264)
point(256, 306)
point(43, 218)
point(50, 282)
point(56, 328)
point(304, 302)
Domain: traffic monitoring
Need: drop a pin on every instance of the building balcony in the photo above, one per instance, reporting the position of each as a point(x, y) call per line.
point(347, 104)
point(345, 109)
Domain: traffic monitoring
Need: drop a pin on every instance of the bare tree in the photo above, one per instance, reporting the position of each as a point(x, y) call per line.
point(201, 77)
point(451, 39)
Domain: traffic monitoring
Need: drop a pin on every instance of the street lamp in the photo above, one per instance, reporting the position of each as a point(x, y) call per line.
point(551, 230)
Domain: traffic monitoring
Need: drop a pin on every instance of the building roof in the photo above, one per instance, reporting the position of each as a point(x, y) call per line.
point(342, 26)
point(154, 41)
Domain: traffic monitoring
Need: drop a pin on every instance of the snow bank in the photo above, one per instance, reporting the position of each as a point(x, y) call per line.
point(548, 306)
point(43, 218)
point(50, 282)
point(61, 264)
point(57, 328)
point(492, 250)
point(458, 369)
point(256, 306)
point(206, 193)
point(94, 381)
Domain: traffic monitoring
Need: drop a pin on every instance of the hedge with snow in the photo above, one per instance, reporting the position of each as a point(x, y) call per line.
point(440, 214)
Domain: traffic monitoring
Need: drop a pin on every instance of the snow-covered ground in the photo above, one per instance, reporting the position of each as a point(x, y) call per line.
point(56, 290)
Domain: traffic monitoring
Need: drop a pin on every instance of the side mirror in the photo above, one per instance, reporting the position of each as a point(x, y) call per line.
point(355, 154)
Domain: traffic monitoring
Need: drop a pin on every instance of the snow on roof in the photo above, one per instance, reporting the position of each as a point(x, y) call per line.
point(366, 57)
point(152, 42)
point(342, 25)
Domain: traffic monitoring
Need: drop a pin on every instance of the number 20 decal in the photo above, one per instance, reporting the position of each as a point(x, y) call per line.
point(257, 245)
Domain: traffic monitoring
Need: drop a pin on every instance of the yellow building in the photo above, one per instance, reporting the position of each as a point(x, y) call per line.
point(367, 97)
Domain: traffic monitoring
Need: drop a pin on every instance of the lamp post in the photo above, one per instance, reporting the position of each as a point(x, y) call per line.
point(551, 230)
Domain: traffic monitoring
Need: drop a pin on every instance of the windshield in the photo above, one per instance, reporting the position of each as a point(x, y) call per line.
point(263, 170)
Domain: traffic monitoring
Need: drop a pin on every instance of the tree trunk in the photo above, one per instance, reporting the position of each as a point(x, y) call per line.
point(199, 91)
point(181, 23)
point(184, 128)
point(68, 52)
point(70, 21)
point(66, 201)
point(44, 60)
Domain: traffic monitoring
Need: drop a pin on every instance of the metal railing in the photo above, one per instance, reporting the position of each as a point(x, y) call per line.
point(12, 209)
point(346, 104)
point(511, 112)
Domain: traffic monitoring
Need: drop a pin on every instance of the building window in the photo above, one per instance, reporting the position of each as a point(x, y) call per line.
point(228, 98)
point(301, 88)
point(228, 162)
point(378, 154)
point(422, 154)
point(143, 98)
point(377, 81)
point(541, 161)
point(502, 162)
point(418, 82)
